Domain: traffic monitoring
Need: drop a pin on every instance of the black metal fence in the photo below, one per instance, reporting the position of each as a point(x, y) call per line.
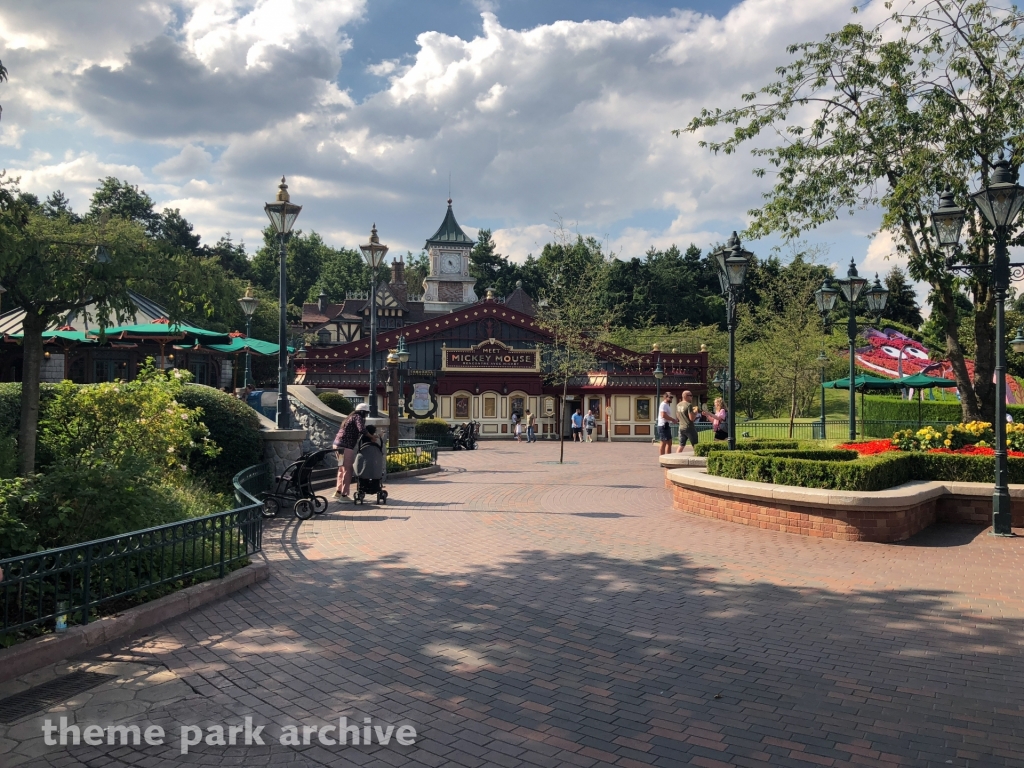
point(412, 454)
point(835, 429)
point(74, 584)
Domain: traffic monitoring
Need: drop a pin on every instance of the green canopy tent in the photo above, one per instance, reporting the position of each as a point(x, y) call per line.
point(238, 344)
point(67, 337)
point(921, 382)
point(163, 333)
point(863, 383)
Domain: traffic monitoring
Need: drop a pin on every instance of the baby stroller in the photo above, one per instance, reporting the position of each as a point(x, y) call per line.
point(294, 487)
point(369, 467)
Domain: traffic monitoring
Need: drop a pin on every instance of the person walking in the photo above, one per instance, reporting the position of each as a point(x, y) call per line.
point(665, 422)
point(518, 429)
point(577, 426)
point(688, 414)
point(531, 426)
point(345, 441)
point(589, 422)
point(720, 420)
point(515, 425)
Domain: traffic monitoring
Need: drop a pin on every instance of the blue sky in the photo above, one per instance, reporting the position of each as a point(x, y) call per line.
point(541, 112)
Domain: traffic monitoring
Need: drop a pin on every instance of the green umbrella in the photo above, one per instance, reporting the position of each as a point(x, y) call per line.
point(920, 381)
point(77, 337)
point(239, 344)
point(863, 382)
point(166, 331)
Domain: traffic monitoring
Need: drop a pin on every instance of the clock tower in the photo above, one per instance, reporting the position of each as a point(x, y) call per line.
point(449, 284)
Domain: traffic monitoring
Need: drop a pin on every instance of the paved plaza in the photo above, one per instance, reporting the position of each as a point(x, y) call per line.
point(520, 613)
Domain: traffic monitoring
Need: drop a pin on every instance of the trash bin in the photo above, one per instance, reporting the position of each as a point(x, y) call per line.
point(817, 431)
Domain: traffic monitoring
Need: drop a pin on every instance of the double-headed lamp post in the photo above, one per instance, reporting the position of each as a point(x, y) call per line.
point(1000, 202)
point(282, 214)
point(733, 262)
point(373, 253)
point(248, 303)
point(851, 287)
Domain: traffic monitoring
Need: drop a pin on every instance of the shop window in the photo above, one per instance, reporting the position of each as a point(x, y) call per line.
point(518, 405)
point(490, 407)
point(594, 404)
point(643, 409)
point(461, 407)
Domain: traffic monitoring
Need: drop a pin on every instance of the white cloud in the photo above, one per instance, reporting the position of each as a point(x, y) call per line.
point(573, 118)
point(191, 162)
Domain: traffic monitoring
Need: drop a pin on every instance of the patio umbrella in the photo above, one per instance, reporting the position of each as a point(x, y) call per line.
point(921, 382)
point(67, 337)
point(241, 344)
point(163, 333)
point(863, 383)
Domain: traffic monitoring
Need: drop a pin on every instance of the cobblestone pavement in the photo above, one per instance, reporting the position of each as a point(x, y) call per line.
point(521, 613)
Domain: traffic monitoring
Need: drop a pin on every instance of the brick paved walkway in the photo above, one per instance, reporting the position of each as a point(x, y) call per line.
point(521, 613)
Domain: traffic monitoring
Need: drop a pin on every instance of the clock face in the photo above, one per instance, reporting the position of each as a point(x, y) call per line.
point(450, 263)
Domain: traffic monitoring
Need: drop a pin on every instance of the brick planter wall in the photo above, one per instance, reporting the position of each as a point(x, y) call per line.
point(867, 525)
point(882, 516)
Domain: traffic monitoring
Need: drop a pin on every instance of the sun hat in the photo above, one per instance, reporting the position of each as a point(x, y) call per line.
point(362, 407)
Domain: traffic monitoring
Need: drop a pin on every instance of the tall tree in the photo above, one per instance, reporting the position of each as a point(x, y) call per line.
point(416, 270)
point(57, 205)
point(889, 116)
point(901, 305)
point(117, 198)
point(341, 270)
point(305, 257)
point(231, 257)
point(177, 230)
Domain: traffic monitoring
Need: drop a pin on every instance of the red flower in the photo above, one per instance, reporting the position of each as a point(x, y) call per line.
point(870, 448)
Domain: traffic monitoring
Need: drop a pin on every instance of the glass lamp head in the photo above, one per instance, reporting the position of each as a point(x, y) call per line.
point(1017, 343)
point(282, 212)
point(948, 220)
point(248, 303)
point(1001, 200)
point(852, 284)
point(659, 373)
point(876, 297)
point(374, 251)
point(826, 296)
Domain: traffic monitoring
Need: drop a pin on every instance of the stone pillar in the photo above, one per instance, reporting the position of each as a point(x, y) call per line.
point(282, 447)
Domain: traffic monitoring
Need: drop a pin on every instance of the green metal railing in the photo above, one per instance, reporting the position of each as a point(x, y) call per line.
point(412, 454)
point(76, 583)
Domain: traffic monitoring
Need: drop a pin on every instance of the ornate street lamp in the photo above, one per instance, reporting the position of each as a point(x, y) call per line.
point(733, 262)
point(282, 214)
point(851, 288)
point(392, 363)
point(248, 304)
point(999, 202)
point(403, 358)
point(373, 253)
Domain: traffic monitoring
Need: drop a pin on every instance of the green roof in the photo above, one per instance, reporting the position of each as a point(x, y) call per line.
point(449, 233)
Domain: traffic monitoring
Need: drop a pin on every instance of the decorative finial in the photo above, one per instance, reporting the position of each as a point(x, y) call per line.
point(519, 285)
point(655, 347)
point(248, 291)
point(282, 192)
point(490, 294)
point(373, 234)
point(703, 347)
point(449, 202)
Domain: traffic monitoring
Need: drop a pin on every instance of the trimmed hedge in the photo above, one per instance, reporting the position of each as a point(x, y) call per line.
point(882, 408)
point(336, 402)
point(431, 429)
point(233, 426)
point(854, 473)
point(705, 449)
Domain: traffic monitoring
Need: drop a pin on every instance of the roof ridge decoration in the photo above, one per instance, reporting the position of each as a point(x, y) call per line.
point(449, 233)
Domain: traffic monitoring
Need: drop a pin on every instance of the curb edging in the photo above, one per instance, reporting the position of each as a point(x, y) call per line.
point(49, 649)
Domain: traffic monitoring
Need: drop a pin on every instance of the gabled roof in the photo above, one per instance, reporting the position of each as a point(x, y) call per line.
point(482, 310)
point(449, 233)
point(146, 311)
point(520, 301)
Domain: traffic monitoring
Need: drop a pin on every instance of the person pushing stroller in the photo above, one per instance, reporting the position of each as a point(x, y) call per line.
point(352, 428)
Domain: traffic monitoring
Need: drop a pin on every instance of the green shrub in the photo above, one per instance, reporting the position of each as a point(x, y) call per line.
point(871, 473)
point(10, 405)
point(233, 426)
point(336, 402)
point(431, 429)
point(8, 456)
point(705, 449)
point(830, 470)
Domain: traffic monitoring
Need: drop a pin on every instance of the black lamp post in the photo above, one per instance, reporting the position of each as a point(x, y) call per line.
point(822, 362)
point(403, 358)
point(733, 262)
point(851, 287)
point(248, 304)
point(282, 213)
point(373, 252)
point(1000, 202)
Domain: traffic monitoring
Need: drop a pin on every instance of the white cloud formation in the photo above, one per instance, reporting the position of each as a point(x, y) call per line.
point(568, 118)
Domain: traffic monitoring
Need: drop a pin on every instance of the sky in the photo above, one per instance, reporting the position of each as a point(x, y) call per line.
point(535, 112)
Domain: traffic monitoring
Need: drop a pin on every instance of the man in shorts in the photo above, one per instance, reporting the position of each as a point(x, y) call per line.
point(665, 422)
point(577, 426)
point(688, 413)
